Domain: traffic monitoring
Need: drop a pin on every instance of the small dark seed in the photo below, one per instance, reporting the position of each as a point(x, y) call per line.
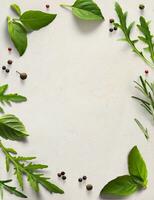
point(47, 6)
point(59, 174)
point(9, 49)
point(62, 173)
point(7, 70)
point(111, 21)
point(84, 178)
point(80, 180)
point(141, 7)
point(115, 28)
point(111, 29)
point(146, 71)
point(23, 76)
point(89, 187)
point(10, 62)
point(3, 68)
point(64, 177)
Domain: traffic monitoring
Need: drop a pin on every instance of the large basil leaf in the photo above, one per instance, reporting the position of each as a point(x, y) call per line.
point(12, 128)
point(137, 166)
point(121, 186)
point(34, 20)
point(86, 10)
point(18, 36)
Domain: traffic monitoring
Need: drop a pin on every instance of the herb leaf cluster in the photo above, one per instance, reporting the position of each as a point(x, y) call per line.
point(31, 20)
point(85, 10)
point(8, 98)
point(25, 166)
point(143, 28)
point(128, 184)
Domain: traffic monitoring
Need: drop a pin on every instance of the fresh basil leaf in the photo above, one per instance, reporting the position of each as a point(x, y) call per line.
point(34, 20)
point(136, 165)
point(18, 36)
point(121, 186)
point(86, 10)
point(12, 128)
point(16, 9)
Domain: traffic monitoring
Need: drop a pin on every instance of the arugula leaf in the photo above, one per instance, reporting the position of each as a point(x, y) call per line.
point(16, 9)
point(34, 20)
point(137, 167)
point(86, 10)
point(144, 130)
point(8, 98)
point(121, 186)
point(32, 171)
point(12, 128)
point(11, 190)
point(126, 32)
point(147, 36)
point(18, 35)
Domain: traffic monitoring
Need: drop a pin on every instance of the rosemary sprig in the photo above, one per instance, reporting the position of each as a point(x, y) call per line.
point(126, 29)
point(144, 130)
point(147, 90)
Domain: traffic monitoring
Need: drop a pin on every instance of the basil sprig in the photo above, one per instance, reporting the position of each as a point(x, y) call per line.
point(85, 10)
point(128, 184)
point(31, 20)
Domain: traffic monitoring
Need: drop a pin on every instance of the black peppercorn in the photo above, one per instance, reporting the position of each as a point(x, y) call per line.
point(84, 178)
point(59, 174)
point(7, 70)
point(9, 49)
point(10, 62)
point(47, 6)
point(111, 30)
point(23, 76)
point(62, 173)
point(80, 180)
point(141, 7)
point(89, 187)
point(4, 68)
point(111, 21)
point(64, 177)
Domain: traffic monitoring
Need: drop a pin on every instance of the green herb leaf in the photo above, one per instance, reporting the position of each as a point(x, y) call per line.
point(144, 130)
point(121, 186)
point(32, 171)
point(16, 9)
point(8, 98)
point(12, 128)
point(18, 36)
point(86, 10)
point(137, 167)
point(11, 190)
point(34, 20)
point(126, 29)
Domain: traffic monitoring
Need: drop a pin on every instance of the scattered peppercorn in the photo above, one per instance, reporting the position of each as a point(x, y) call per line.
point(89, 187)
point(7, 70)
point(9, 49)
point(80, 180)
point(115, 28)
point(146, 71)
point(64, 177)
point(141, 7)
point(111, 21)
point(59, 174)
point(84, 178)
point(111, 30)
point(4, 68)
point(23, 76)
point(47, 6)
point(10, 62)
point(62, 173)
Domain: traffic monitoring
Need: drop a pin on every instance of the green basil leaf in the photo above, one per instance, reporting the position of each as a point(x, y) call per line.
point(12, 128)
point(34, 20)
point(86, 10)
point(18, 36)
point(121, 186)
point(137, 166)
point(16, 9)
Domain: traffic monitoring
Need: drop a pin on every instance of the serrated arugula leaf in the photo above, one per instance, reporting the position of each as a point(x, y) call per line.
point(32, 171)
point(34, 20)
point(128, 184)
point(10, 189)
point(18, 35)
point(137, 167)
point(121, 186)
point(126, 30)
point(147, 37)
point(12, 128)
point(16, 9)
point(86, 10)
